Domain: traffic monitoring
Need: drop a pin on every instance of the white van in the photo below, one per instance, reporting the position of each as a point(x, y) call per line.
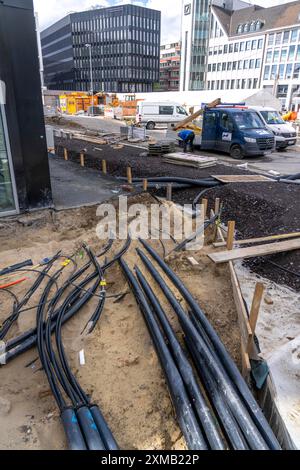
point(285, 134)
point(159, 114)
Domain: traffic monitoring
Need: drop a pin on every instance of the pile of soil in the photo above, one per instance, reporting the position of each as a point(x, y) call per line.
point(62, 122)
point(122, 373)
point(259, 209)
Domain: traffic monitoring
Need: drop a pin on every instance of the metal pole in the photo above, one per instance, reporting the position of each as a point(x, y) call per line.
point(92, 85)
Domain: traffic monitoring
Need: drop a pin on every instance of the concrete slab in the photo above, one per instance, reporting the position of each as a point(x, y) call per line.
point(74, 186)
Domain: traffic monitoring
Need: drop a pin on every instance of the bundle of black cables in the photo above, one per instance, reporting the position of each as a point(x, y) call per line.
point(227, 415)
point(83, 421)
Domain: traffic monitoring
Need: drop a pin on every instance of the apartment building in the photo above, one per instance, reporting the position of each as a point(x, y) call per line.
point(170, 67)
point(124, 43)
point(250, 47)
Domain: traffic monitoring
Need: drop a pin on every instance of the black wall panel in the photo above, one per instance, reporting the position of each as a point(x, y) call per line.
point(19, 69)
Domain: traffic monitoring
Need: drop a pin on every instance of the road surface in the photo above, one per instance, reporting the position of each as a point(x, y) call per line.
point(284, 162)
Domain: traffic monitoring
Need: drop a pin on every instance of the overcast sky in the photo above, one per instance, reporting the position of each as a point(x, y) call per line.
point(52, 10)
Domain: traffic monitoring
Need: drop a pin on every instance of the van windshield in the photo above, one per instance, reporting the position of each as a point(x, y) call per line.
point(248, 120)
point(272, 117)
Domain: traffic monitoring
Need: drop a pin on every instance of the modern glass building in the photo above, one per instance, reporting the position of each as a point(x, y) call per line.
point(125, 46)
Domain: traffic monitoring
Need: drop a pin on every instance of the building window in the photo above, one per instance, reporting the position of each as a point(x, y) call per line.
point(238, 84)
point(234, 65)
point(254, 45)
point(283, 55)
point(229, 66)
point(286, 37)
point(241, 62)
point(7, 202)
point(292, 53)
point(219, 67)
point(294, 35)
point(281, 71)
point(214, 67)
point(269, 56)
point(252, 26)
point(246, 64)
point(243, 84)
point(246, 28)
point(276, 56)
point(210, 51)
point(242, 46)
point(232, 84)
point(296, 71)
point(271, 39)
point(230, 48)
point(225, 48)
point(251, 64)
point(289, 70)
point(239, 29)
point(224, 66)
point(260, 44)
point(248, 45)
point(255, 82)
point(274, 72)
point(209, 67)
point(249, 83)
point(298, 54)
point(236, 47)
point(278, 39)
point(258, 25)
point(258, 63)
point(222, 84)
point(267, 72)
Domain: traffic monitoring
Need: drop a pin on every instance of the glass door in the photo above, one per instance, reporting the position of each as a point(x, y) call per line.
point(8, 199)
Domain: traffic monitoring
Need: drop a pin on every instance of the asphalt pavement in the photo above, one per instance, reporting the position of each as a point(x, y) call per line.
point(284, 162)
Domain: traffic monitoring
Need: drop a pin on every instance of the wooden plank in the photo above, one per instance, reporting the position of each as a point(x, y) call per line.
point(245, 329)
point(145, 185)
point(246, 365)
point(204, 203)
point(256, 303)
point(255, 251)
point(129, 175)
point(194, 116)
point(82, 159)
point(104, 167)
point(241, 178)
point(66, 157)
point(169, 192)
point(249, 241)
point(230, 235)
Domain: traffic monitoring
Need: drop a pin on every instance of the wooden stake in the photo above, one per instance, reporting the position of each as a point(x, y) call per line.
point(230, 236)
point(217, 210)
point(205, 205)
point(104, 167)
point(145, 185)
point(256, 303)
point(82, 159)
point(217, 205)
point(129, 175)
point(66, 154)
point(169, 192)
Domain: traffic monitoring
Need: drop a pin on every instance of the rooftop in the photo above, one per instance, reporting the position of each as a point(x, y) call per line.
point(278, 17)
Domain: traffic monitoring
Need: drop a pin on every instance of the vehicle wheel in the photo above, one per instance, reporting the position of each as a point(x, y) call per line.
point(151, 126)
point(236, 152)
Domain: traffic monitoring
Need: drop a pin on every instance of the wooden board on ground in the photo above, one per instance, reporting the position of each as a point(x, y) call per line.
point(241, 178)
point(189, 159)
point(255, 251)
point(250, 241)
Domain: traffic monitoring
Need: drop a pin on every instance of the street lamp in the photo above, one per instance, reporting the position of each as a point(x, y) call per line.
point(89, 46)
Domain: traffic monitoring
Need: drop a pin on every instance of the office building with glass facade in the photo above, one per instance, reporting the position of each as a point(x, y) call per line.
point(24, 169)
point(124, 42)
point(248, 47)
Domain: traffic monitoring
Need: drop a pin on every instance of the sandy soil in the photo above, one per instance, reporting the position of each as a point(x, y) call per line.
point(278, 331)
point(122, 372)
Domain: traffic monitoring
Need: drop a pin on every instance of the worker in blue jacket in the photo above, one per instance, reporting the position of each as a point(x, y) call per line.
point(188, 137)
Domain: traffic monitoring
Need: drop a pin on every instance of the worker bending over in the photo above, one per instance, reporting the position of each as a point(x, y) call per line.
point(188, 137)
